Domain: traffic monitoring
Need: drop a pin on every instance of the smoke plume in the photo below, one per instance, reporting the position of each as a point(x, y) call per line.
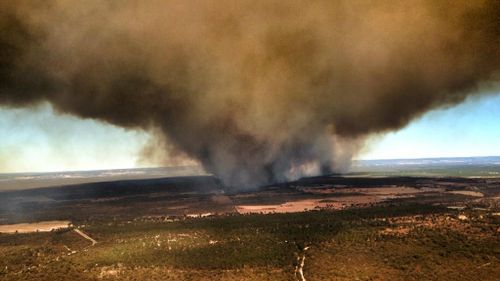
point(257, 91)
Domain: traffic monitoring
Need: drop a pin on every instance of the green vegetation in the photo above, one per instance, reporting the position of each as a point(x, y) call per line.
point(343, 245)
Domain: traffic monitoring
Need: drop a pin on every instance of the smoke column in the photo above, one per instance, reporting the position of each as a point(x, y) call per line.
point(256, 91)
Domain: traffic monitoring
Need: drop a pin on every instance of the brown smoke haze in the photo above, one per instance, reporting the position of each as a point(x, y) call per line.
point(257, 91)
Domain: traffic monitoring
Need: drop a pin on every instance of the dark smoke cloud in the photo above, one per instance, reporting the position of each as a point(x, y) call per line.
point(257, 91)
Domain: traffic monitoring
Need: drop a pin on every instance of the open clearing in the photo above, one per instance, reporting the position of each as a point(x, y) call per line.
point(43, 226)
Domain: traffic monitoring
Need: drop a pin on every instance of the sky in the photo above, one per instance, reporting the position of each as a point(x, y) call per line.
point(37, 139)
point(468, 129)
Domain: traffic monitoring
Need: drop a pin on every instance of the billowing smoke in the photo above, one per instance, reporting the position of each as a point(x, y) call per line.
point(257, 91)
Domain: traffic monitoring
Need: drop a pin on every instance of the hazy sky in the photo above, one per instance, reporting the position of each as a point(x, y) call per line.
point(37, 139)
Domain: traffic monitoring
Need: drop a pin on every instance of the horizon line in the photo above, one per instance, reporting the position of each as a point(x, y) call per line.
point(196, 166)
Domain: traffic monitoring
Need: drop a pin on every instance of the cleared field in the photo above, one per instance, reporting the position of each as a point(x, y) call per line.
point(42, 226)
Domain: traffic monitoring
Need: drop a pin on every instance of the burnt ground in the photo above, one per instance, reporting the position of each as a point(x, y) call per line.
point(181, 196)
